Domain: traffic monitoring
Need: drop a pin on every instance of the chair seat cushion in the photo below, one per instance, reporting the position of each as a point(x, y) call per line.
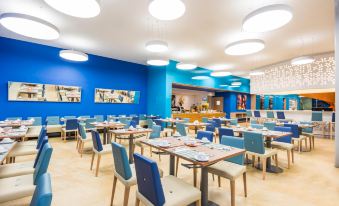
point(22, 150)
point(68, 130)
point(176, 191)
point(227, 170)
point(16, 187)
point(268, 153)
point(16, 169)
point(107, 148)
point(31, 143)
point(299, 139)
point(33, 131)
point(131, 181)
point(54, 128)
point(282, 145)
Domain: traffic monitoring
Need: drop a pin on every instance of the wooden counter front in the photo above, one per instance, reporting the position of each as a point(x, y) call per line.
point(197, 116)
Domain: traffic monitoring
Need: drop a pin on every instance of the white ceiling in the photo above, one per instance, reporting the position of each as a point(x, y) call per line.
point(124, 26)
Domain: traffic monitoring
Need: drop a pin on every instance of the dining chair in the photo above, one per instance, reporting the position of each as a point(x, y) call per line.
point(89, 124)
point(181, 129)
point(13, 118)
point(42, 195)
point(270, 125)
point(156, 133)
point(280, 115)
point(332, 125)
point(24, 185)
point(123, 171)
point(284, 143)
point(317, 116)
point(308, 133)
point(149, 123)
point(99, 118)
point(210, 128)
point(270, 115)
point(71, 126)
point(256, 114)
point(217, 122)
point(234, 122)
point(225, 132)
point(53, 120)
point(249, 116)
point(85, 116)
point(34, 143)
point(254, 145)
point(37, 121)
point(205, 134)
point(257, 126)
point(82, 139)
point(53, 124)
point(69, 117)
point(186, 120)
point(231, 168)
point(253, 121)
point(204, 119)
point(296, 137)
point(110, 118)
point(98, 149)
point(169, 191)
point(142, 117)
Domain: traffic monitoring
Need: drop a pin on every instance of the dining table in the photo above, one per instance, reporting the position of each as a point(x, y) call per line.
point(106, 126)
point(196, 125)
point(16, 123)
point(130, 135)
point(178, 147)
point(6, 148)
point(171, 121)
point(13, 133)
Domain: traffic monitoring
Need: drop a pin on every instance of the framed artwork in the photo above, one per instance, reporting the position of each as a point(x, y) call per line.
point(116, 96)
point(241, 101)
point(23, 91)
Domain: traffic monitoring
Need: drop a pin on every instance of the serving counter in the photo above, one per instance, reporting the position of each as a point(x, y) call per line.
point(198, 116)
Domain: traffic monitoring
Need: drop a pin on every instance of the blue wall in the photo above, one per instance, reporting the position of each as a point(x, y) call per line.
point(230, 102)
point(27, 62)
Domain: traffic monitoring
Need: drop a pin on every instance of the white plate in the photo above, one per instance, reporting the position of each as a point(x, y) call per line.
point(201, 158)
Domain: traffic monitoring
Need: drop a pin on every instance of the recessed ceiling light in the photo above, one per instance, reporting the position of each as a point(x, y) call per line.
point(302, 60)
point(218, 67)
point(267, 18)
point(186, 66)
point(158, 62)
point(156, 46)
point(223, 85)
point(220, 74)
point(166, 9)
point(244, 47)
point(257, 73)
point(200, 77)
point(76, 8)
point(29, 26)
point(236, 83)
point(234, 86)
point(73, 55)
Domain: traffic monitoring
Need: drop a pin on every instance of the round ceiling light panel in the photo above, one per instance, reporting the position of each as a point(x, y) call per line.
point(73, 55)
point(156, 46)
point(166, 10)
point(76, 8)
point(186, 66)
point(245, 47)
point(157, 62)
point(220, 74)
point(302, 60)
point(200, 77)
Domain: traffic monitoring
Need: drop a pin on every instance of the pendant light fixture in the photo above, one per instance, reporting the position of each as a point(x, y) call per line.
point(166, 10)
point(302, 60)
point(76, 8)
point(29, 26)
point(73, 55)
point(268, 18)
point(245, 47)
point(156, 46)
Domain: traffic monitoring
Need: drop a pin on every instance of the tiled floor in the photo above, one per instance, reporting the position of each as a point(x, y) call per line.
point(312, 181)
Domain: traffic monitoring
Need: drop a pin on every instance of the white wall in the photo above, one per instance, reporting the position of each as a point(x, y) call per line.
point(190, 96)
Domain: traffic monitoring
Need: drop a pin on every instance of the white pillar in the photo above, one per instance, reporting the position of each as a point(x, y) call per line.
point(337, 85)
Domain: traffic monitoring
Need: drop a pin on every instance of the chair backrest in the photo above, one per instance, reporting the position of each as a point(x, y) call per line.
point(234, 122)
point(42, 134)
point(42, 195)
point(44, 141)
point(210, 128)
point(99, 118)
point(217, 122)
point(333, 117)
point(70, 117)
point(148, 179)
point(128, 123)
point(43, 162)
point(270, 114)
point(159, 122)
point(149, 123)
point(82, 131)
point(136, 119)
point(97, 145)
point(254, 142)
point(294, 129)
point(71, 124)
point(110, 117)
point(53, 120)
point(121, 164)
point(256, 113)
point(249, 113)
point(133, 123)
point(207, 134)
point(317, 116)
point(133, 115)
point(257, 126)
point(225, 132)
point(37, 121)
point(85, 116)
point(156, 131)
point(186, 120)
point(88, 123)
point(204, 119)
point(181, 128)
point(287, 139)
point(270, 125)
point(14, 118)
point(142, 117)
point(280, 115)
point(234, 142)
point(307, 129)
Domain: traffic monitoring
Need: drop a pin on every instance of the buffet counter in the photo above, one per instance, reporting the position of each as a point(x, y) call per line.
point(198, 116)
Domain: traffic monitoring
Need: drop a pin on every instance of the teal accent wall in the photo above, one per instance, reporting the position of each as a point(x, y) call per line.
point(230, 102)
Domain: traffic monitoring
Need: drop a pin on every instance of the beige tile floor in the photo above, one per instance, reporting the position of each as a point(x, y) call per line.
point(312, 180)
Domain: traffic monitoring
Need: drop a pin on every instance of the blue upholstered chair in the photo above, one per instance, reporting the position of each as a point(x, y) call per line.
point(37, 121)
point(308, 133)
point(225, 132)
point(83, 138)
point(217, 122)
point(43, 191)
point(53, 120)
point(234, 122)
point(13, 118)
point(317, 116)
point(253, 121)
point(181, 129)
point(110, 118)
point(249, 116)
point(257, 114)
point(98, 149)
point(155, 191)
point(71, 126)
point(296, 137)
point(280, 115)
point(149, 123)
point(257, 126)
point(205, 134)
point(231, 168)
point(270, 125)
point(99, 118)
point(123, 171)
point(69, 117)
point(156, 133)
point(142, 117)
point(254, 145)
point(24, 185)
point(204, 119)
point(88, 124)
point(210, 128)
point(186, 120)
point(284, 143)
point(270, 114)
point(136, 119)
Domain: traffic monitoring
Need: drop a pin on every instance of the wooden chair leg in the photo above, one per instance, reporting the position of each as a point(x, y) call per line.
point(98, 164)
point(313, 140)
point(292, 154)
point(137, 202)
point(126, 195)
point(263, 168)
point(198, 203)
point(232, 192)
point(288, 159)
point(150, 151)
point(82, 145)
point(177, 167)
point(113, 189)
point(195, 177)
point(299, 146)
point(142, 150)
point(276, 160)
point(93, 154)
point(219, 181)
point(245, 183)
point(253, 160)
